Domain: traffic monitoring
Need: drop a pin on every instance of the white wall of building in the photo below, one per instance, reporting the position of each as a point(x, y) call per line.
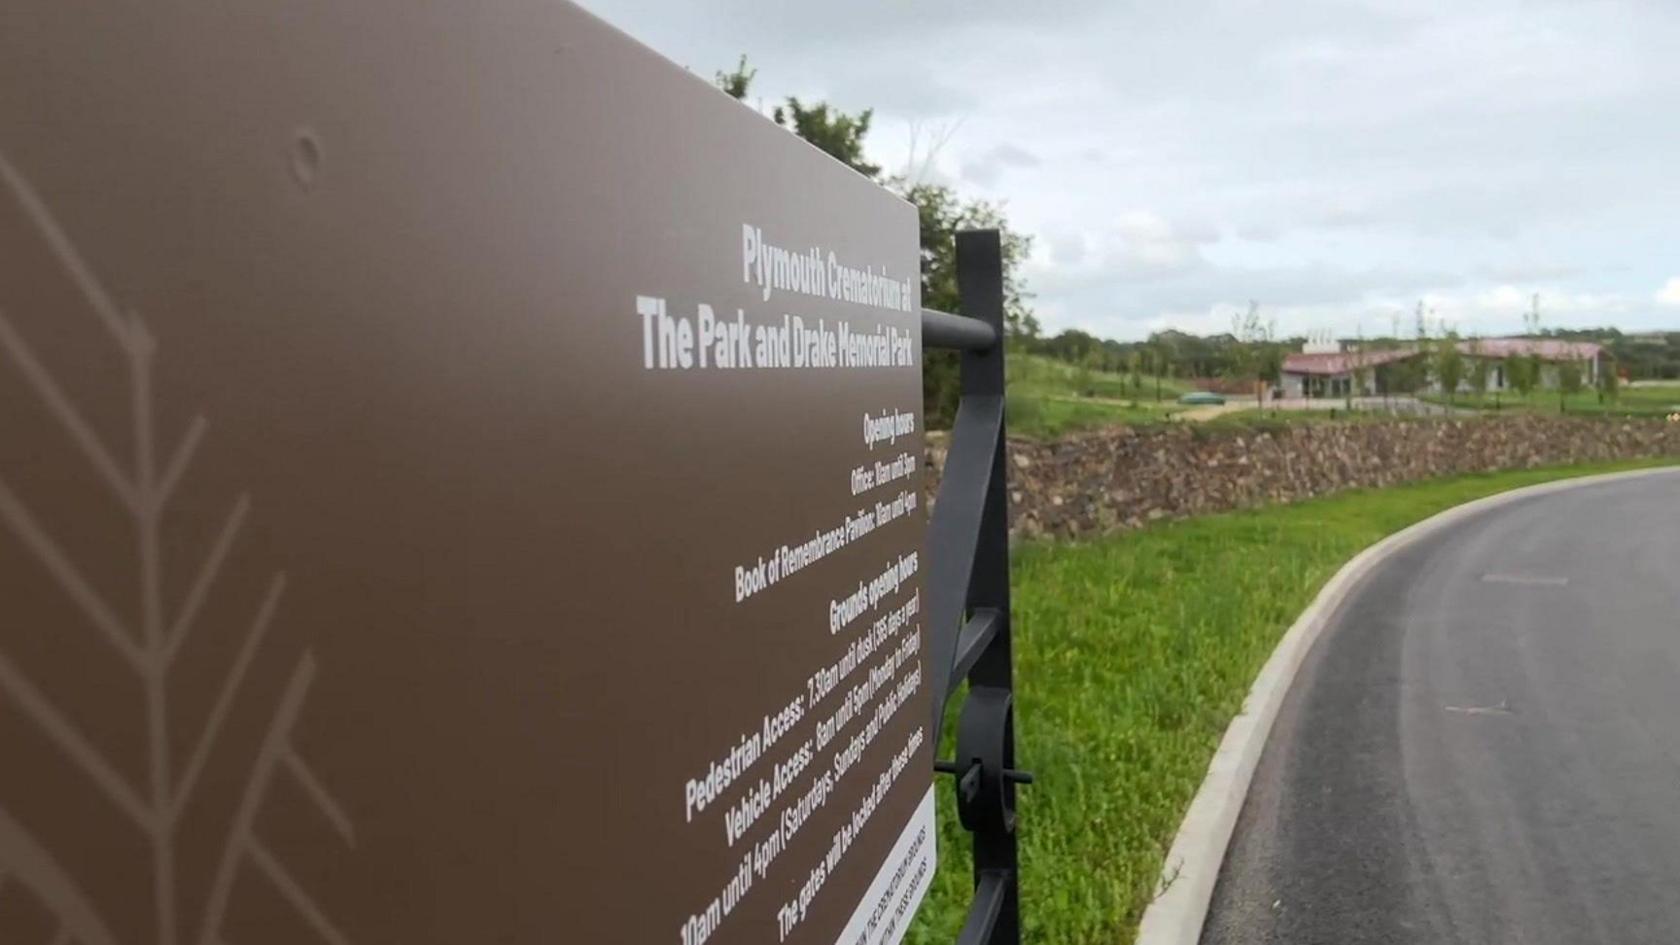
point(1499, 377)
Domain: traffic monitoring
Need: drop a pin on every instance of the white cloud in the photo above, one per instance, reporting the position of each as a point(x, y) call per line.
point(1669, 294)
point(989, 166)
point(1336, 161)
point(1142, 240)
point(1065, 248)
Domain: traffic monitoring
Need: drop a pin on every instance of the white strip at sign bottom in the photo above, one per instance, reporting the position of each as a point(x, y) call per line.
point(897, 889)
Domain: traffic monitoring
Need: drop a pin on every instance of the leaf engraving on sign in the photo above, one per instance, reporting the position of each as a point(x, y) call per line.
point(148, 641)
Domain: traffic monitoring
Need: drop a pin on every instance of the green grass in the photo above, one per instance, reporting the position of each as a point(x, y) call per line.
point(1132, 654)
point(1046, 417)
point(1631, 402)
point(1036, 373)
point(1048, 398)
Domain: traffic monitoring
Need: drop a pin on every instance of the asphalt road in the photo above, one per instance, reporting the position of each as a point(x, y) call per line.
point(1484, 746)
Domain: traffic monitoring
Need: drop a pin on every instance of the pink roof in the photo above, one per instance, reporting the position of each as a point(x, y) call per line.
point(1344, 362)
point(1546, 349)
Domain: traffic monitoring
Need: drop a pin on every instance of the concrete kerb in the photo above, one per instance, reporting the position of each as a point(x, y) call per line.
point(1185, 891)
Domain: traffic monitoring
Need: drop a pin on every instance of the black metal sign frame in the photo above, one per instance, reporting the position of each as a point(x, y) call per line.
point(968, 592)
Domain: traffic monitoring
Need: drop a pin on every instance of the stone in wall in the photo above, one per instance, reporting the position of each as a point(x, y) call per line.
point(1092, 483)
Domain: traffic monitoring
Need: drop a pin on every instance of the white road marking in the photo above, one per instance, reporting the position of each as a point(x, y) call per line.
point(1503, 708)
point(1528, 580)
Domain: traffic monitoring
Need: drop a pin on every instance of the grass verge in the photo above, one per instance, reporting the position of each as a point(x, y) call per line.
point(1133, 652)
point(1048, 416)
point(1048, 398)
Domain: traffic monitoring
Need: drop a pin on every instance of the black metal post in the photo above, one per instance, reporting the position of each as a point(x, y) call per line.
point(968, 589)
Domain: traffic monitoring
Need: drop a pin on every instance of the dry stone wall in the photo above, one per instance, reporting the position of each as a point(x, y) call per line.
point(1125, 477)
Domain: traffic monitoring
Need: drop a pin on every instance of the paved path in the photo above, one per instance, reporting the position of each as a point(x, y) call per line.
point(1209, 411)
point(1485, 745)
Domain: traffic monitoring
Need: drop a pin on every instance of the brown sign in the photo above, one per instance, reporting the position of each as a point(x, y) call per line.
point(459, 482)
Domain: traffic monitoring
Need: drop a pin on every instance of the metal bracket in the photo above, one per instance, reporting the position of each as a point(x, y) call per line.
point(985, 762)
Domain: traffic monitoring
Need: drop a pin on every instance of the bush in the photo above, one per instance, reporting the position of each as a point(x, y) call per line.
point(1022, 410)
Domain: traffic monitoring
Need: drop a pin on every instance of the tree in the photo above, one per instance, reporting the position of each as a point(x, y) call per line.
point(1361, 367)
point(831, 130)
point(1254, 356)
point(735, 84)
point(942, 213)
point(1082, 374)
point(1270, 362)
point(1481, 371)
point(1421, 368)
point(1161, 361)
point(1569, 382)
point(1609, 383)
point(834, 132)
point(1134, 368)
point(1531, 368)
point(1521, 374)
point(1449, 364)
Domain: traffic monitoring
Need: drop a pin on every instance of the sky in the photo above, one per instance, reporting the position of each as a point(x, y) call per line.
point(1334, 162)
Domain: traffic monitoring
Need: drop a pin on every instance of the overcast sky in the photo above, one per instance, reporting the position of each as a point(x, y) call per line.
point(1335, 161)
